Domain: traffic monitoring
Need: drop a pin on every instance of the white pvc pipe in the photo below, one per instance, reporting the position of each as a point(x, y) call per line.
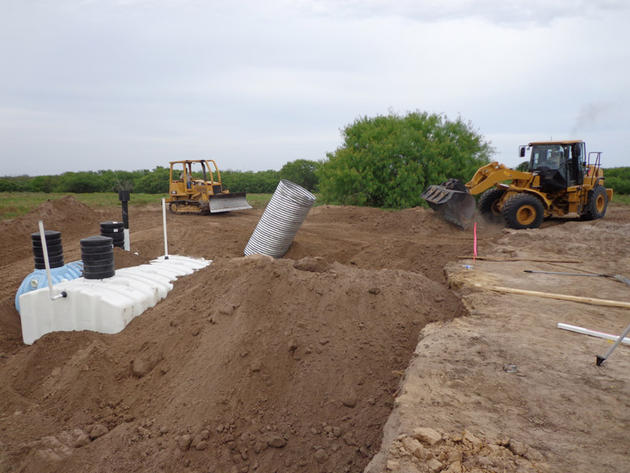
point(127, 243)
point(164, 225)
point(42, 236)
point(592, 333)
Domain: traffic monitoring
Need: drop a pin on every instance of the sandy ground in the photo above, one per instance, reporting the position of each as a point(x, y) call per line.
point(358, 348)
point(517, 393)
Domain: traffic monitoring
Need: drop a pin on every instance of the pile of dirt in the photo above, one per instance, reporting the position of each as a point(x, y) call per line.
point(261, 365)
point(125, 259)
point(251, 364)
point(66, 214)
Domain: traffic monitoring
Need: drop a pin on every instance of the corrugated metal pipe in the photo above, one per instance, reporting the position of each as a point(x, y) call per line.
point(281, 220)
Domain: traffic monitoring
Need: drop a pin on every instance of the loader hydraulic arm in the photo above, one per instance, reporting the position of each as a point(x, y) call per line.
point(491, 174)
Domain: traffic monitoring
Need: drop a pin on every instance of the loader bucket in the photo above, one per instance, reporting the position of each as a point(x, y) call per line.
point(455, 206)
point(228, 202)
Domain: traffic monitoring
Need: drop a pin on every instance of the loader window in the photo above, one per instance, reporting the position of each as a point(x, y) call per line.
point(548, 156)
point(550, 161)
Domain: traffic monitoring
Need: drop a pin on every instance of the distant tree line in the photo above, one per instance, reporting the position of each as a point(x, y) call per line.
point(301, 171)
point(618, 179)
point(384, 161)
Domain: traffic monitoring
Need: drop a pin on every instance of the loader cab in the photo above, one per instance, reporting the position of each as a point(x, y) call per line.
point(560, 164)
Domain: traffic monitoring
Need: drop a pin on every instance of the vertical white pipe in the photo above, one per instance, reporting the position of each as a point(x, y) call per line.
point(42, 236)
point(164, 225)
point(127, 244)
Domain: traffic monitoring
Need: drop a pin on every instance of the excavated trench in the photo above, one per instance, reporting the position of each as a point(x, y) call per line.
point(252, 364)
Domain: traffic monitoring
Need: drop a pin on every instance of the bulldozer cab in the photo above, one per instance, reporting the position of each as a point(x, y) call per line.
point(188, 177)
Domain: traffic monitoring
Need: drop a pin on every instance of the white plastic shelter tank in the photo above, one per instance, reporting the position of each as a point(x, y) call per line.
point(102, 305)
point(37, 279)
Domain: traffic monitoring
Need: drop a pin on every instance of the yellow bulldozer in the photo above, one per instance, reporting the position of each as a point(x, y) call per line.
point(561, 179)
point(195, 187)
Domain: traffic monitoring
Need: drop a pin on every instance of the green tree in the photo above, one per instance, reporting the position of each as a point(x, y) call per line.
point(153, 182)
point(524, 166)
point(42, 183)
point(250, 181)
point(618, 179)
point(303, 172)
point(387, 161)
point(79, 182)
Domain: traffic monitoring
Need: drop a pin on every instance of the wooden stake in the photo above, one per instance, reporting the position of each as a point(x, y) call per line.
point(562, 297)
point(507, 260)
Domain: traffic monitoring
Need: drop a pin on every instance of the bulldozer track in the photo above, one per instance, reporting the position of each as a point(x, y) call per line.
point(173, 208)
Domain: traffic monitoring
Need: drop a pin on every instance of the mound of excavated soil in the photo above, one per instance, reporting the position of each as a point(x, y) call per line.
point(253, 363)
point(66, 213)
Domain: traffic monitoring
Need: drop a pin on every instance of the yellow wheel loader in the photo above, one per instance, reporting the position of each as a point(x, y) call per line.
point(195, 187)
point(562, 179)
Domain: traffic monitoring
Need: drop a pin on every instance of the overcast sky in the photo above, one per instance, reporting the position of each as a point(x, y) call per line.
point(133, 84)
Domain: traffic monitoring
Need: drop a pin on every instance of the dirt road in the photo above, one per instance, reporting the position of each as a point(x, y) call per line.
point(265, 365)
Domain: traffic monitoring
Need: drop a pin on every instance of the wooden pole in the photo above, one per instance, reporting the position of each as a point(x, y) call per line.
point(508, 260)
point(562, 297)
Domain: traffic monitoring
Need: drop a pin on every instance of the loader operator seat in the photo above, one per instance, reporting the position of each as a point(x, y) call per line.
point(556, 160)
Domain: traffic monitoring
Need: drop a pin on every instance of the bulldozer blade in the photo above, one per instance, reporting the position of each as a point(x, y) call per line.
point(456, 207)
point(228, 202)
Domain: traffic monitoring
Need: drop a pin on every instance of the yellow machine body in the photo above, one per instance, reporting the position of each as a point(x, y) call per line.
point(571, 184)
point(195, 186)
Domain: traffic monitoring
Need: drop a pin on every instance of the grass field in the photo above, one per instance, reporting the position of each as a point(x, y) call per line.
point(14, 204)
point(621, 199)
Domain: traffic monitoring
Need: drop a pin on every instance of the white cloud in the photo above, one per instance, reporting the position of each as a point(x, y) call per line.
point(497, 11)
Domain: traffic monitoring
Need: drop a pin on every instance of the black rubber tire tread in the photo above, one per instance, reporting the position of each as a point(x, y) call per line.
point(97, 259)
point(112, 224)
point(99, 275)
point(96, 240)
point(54, 251)
point(591, 212)
point(51, 260)
point(52, 263)
point(49, 234)
point(97, 268)
point(49, 242)
point(116, 238)
point(486, 202)
point(511, 207)
point(89, 251)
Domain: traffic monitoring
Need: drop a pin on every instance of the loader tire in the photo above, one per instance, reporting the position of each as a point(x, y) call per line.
point(488, 205)
point(523, 211)
point(596, 205)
